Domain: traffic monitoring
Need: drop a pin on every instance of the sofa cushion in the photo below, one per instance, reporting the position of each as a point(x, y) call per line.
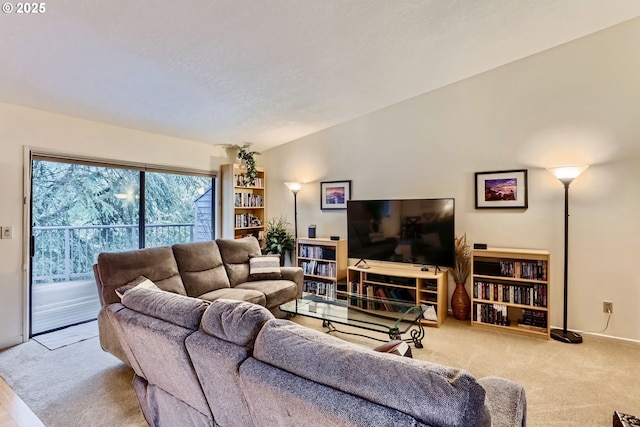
point(118, 269)
point(265, 267)
point(237, 322)
point(276, 292)
point(506, 400)
point(154, 325)
point(181, 310)
point(248, 295)
point(141, 282)
point(235, 255)
point(200, 265)
point(279, 398)
point(433, 394)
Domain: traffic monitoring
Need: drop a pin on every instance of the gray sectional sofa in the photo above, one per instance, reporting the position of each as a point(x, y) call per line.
point(205, 270)
point(231, 363)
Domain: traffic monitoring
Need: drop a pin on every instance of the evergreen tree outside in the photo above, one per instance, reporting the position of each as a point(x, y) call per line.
point(102, 205)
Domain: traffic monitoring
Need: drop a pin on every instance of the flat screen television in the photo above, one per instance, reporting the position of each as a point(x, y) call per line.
point(416, 231)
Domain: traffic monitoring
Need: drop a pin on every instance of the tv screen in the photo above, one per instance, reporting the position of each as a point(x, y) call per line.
point(417, 231)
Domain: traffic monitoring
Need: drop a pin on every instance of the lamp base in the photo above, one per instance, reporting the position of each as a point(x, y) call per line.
point(568, 338)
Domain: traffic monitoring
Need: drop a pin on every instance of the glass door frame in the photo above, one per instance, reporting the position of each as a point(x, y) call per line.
point(31, 154)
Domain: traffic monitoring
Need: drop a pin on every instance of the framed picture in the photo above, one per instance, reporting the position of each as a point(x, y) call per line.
point(334, 194)
point(502, 189)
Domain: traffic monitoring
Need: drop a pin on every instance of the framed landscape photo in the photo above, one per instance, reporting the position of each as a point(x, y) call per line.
point(502, 189)
point(334, 194)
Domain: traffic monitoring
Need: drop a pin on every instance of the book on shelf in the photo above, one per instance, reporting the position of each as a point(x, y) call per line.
point(535, 294)
point(322, 289)
point(240, 180)
point(380, 293)
point(320, 252)
point(248, 200)
point(354, 290)
point(494, 314)
point(530, 270)
point(247, 220)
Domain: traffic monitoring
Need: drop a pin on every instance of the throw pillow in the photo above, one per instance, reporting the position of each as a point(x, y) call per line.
point(140, 281)
point(265, 267)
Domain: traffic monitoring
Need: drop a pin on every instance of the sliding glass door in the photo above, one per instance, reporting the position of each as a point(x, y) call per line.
point(80, 210)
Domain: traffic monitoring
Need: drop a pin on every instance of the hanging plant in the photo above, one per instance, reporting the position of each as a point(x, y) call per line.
point(248, 157)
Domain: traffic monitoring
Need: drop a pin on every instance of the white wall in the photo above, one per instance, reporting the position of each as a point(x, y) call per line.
point(577, 103)
point(20, 127)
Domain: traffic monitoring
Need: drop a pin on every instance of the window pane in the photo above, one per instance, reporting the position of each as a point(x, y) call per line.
point(178, 209)
point(78, 211)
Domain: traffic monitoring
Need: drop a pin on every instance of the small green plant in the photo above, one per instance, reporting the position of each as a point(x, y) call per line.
point(278, 238)
point(248, 156)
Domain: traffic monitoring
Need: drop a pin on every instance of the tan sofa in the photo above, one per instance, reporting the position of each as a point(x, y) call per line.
point(204, 270)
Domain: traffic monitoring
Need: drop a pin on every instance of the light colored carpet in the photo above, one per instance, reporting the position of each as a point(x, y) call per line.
point(68, 336)
point(566, 385)
point(76, 385)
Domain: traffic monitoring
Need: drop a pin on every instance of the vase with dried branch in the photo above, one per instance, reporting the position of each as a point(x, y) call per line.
point(460, 301)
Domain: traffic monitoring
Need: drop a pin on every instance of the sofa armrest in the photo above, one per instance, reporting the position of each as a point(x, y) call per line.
point(506, 401)
point(295, 275)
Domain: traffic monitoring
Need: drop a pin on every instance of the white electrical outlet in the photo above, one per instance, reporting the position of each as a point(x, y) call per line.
point(7, 232)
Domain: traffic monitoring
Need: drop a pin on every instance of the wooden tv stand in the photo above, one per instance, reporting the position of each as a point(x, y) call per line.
point(407, 282)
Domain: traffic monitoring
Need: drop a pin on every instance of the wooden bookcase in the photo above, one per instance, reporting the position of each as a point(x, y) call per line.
point(243, 211)
point(511, 290)
point(324, 264)
point(409, 282)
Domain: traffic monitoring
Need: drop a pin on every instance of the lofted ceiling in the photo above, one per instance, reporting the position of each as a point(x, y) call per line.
point(268, 71)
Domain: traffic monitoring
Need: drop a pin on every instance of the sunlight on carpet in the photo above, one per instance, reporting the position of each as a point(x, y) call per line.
point(68, 336)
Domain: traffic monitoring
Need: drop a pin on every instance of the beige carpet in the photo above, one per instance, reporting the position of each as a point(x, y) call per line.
point(566, 385)
point(75, 385)
point(68, 336)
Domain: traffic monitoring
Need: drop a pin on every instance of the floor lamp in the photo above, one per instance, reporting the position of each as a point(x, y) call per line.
point(566, 175)
point(295, 187)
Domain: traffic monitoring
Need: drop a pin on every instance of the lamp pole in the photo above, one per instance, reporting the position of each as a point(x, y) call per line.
point(566, 175)
point(295, 187)
point(295, 215)
point(566, 256)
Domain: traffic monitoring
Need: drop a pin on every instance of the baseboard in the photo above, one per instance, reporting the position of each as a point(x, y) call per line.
point(610, 338)
point(10, 342)
point(603, 336)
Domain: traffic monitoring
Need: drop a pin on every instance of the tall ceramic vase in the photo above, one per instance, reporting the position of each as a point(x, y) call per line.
point(460, 302)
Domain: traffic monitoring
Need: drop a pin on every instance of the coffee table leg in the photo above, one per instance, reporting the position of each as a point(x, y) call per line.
point(394, 334)
point(330, 328)
point(417, 334)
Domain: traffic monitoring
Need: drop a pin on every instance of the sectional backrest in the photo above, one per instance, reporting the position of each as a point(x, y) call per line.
point(114, 270)
point(428, 393)
point(224, 341)
point(201, 267)
point(152, 326)
point(235, 255)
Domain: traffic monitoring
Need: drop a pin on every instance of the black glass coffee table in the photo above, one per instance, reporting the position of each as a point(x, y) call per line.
point(401, 317)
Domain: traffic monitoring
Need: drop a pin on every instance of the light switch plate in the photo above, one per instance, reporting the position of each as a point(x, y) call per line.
point(7, 232)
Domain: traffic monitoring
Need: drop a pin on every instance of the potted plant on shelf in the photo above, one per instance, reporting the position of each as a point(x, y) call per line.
point(247, 156)
point(460, 301)
point(278, 239)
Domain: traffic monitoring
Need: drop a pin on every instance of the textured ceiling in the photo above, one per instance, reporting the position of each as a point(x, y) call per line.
point(268, 71)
